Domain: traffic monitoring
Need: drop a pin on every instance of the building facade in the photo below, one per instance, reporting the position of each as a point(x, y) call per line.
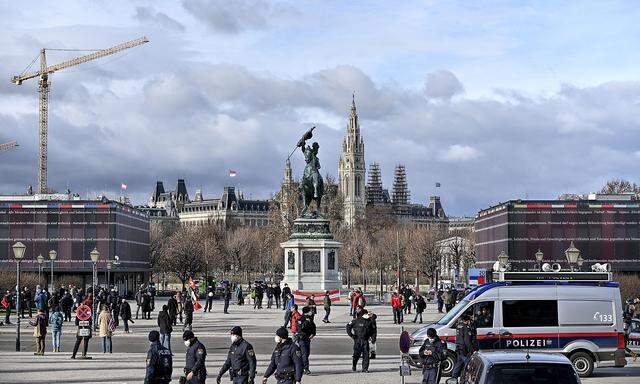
point(74, 227)
point(229, 209)
point(351, 170)
point(605, 228)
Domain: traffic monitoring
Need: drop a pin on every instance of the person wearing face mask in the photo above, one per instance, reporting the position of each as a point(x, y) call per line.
point(241, 360)
point(159, 361)
point(194, 366)
point(431, 354)
point(286, 360)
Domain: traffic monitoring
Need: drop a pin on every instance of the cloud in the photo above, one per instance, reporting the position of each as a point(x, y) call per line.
point(442, 85)
point(236, 16)
point(149, 15)
point(457, 152)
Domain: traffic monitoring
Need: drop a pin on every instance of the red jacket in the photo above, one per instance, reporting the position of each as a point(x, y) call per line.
point(396, 302)
point(294, 321)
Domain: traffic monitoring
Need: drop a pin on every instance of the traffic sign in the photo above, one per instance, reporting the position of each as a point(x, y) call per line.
point(83, 312)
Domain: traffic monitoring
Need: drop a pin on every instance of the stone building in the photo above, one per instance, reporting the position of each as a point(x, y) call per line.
point(231, 209)
point(351, 170)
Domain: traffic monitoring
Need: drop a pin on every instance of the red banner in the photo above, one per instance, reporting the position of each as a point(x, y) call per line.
point(301, 296)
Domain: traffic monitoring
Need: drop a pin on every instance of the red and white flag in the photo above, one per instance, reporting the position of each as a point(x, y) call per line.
point(123, 186)
point(232, 173)
point(192, 292)
point(301, 296)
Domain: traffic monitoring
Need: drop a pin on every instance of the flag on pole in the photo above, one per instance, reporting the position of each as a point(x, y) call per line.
point(192, 292)
point(123, 186)
point(437, 185)
point(232, 173)
point(192, 283)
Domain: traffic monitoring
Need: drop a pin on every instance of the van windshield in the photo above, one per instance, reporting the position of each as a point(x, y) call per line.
point(532, 373)
point(453, 312)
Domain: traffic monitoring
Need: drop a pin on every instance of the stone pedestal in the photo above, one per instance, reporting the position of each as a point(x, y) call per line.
point(311, 257)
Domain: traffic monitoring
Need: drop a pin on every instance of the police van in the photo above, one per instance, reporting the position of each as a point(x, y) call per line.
point(578, 314)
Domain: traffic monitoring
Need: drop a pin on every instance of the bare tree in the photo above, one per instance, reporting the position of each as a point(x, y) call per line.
point(614, 186)
point(424, 252)
point(183, 253)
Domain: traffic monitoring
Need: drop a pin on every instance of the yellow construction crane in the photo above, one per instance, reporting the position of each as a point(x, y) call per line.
point(8, 146)
point(43, 90)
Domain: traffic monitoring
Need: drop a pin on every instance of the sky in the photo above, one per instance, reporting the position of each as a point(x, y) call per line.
point(493, 100)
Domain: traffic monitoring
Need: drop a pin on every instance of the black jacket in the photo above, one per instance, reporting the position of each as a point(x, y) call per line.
point(159, 365)
point(164, 322)
point(360, 328)
point(437, 353)
point(125, 311)
point(286, 362)
point(196, 355)
point(464, 340)
point(241, 360)
point(173, 306)
point(306, 328)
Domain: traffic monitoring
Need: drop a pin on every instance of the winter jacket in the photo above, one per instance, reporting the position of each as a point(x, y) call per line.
point(396, 301)
point(56, 319)
point(103, 322)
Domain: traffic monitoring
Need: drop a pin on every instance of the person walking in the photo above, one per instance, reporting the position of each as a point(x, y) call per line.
point(421, 304)
point(440, 300)
point(241, 360)
point(396, 307)
point(465, 345)
point(172, 308)
point(66, 305)
point(327, 307)
point(288, 308)
point(431, 353)
point(180, 300)
point(125, 314)
point(39, 331)
point(27, 298)
point(286, 292)
point(360, 330)
point(7, 304)
point(277, 294)
point(311, 304)
point(269, 291)
point(449, 299)
point(239, 295)
point(227, 297)
point(188, 314)
point(56, 320)
point(146, 306)
point(159, 361)
point(295, 315)
point(209, 303)
point(105, 328)
point(165, 325)
point(286, 360)
point(195, 364)
point(139, 296)
point(306, 331)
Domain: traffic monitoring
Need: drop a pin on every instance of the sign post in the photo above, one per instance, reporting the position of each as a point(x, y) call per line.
point(83, 314)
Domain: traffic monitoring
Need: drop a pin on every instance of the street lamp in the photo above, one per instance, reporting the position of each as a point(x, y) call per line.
point(503, 259)
point(40, 259)
point(95, 255)
point(539, 256)
point(572, 254)
point(18, 254)
point(109, 266)
point(53, 255)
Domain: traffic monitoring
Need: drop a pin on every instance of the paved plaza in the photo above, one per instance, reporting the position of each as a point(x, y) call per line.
point(330, 351)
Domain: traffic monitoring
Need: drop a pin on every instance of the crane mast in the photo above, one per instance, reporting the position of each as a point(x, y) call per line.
point(8, 146)
point(43, 92)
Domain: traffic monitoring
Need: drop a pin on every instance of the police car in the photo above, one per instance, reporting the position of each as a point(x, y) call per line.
point(633, 341)
point(578, 314)
point(517, 367)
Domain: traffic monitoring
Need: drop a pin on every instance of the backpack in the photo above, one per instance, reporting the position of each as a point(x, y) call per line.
point(164, 364)
point(112, 325)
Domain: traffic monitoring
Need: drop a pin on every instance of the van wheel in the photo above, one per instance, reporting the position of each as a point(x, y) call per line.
point(583, 363)
point(448, 363)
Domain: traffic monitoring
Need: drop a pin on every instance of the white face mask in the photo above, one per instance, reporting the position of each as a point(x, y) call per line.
point(234, 338)
point(278, 339)
point(431, 339)
point(187, 343)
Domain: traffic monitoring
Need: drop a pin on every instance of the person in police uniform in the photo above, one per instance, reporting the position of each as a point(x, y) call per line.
point(194, 366)
point(465, 344)
point(286, 360)
point(431, 354)
point(159, 361)
point(241, 360)
point(361, 331)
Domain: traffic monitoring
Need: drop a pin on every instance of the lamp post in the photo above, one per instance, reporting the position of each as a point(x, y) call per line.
point(53, 255)
point(95, 256)
point(503, 259)
point(18, 254)
point(539, 257)
point(109, 266)
point(40, 259)
point(572, 254)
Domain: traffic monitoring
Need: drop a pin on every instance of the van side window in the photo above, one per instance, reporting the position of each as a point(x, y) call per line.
point(530, 313)
point(481, 314)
